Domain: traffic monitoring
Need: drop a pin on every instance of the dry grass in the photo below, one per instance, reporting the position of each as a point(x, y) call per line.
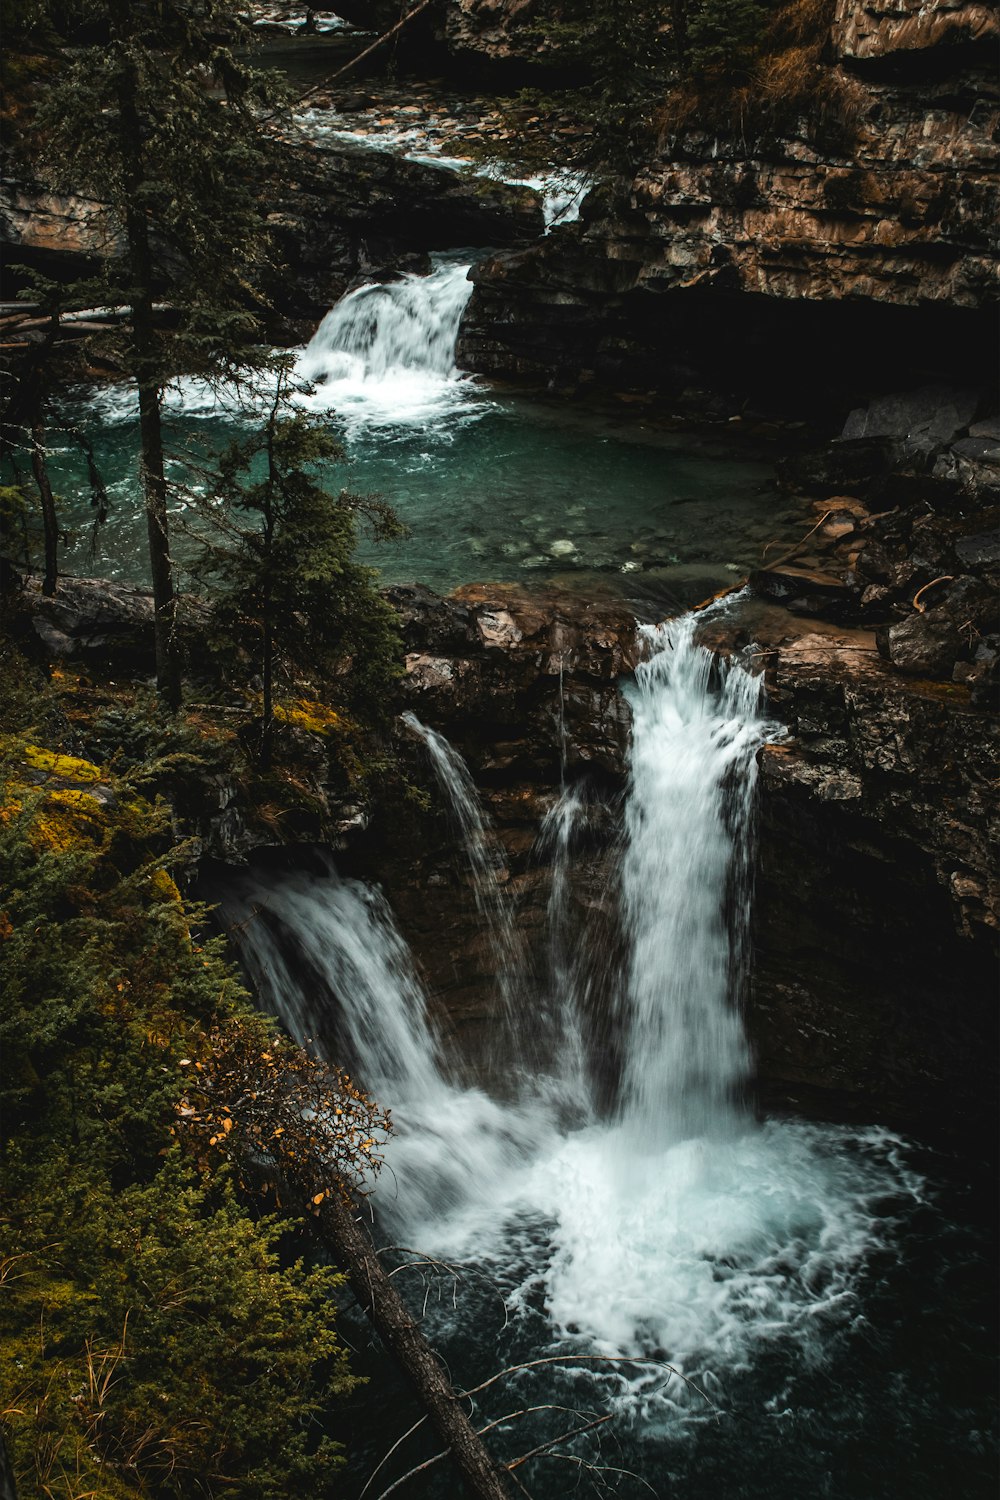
point(791, 83)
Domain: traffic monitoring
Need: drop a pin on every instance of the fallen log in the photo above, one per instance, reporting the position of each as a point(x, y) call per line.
point(349, 1241)
point(297, 1125)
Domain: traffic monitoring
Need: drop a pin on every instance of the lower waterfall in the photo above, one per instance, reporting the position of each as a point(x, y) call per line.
point(672, 1226)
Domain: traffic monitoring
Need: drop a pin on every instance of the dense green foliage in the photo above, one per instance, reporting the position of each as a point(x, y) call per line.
point(724, 34)
point(158, 1340)
point(154, 116)
point(159, 123)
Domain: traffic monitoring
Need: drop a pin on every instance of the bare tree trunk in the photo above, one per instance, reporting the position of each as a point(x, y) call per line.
point(8, 1489)
point(50, 525)
point(400, 1333)
point(154, 483)
point(678, 12)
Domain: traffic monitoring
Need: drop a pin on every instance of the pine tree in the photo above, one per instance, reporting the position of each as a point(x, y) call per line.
point(159, 121)
point(289, 588)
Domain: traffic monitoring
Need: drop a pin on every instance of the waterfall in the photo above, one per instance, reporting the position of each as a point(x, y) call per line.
point(485, 857)
point(326, 956)
point(686, 819)
point(672, 1225)
point(386, 352)
point(567, 978)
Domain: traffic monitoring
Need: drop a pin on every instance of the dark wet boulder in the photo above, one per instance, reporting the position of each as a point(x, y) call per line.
point(102, 623)
point(933, 637)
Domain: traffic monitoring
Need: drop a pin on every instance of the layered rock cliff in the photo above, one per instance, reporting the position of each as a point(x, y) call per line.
point(853, 246)
point(345, 213)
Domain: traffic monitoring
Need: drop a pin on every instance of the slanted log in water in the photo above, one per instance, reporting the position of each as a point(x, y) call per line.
point(293, 1124)
point(352, 1245)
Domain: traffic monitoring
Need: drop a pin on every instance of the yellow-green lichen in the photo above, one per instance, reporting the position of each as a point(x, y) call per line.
point(308, 714)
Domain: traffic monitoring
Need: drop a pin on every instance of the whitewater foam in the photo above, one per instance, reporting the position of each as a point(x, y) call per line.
point(673, 1229)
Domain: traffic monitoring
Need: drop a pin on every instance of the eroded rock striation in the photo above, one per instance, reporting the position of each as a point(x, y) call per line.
point(854, 246)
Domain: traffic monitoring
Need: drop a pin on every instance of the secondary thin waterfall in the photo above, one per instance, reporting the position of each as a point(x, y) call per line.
point(483, 852)
point(326, 955)
point(567, 977)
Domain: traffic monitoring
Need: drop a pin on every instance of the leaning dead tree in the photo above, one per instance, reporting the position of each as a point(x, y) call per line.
point(300, 1130)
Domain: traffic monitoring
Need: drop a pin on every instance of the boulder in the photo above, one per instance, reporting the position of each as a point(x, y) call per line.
point(931, 639)
point(104, 624)
point(937, 413)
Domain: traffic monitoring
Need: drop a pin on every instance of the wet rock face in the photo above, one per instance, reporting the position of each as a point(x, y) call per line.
point(522, 682)
point(877, 904)
point(748, 265)
point(350, 213)
point(525, 686)
point(355, 213)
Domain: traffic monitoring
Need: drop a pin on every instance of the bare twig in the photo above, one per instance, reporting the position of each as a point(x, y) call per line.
point(785, 556)
point(420, 1469)
point(942, 578)
point(386, 1457)
point(608, 1359)
point(573, 1458)
point(562, 1438)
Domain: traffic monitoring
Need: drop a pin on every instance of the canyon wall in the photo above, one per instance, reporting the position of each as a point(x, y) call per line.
point(854, 246)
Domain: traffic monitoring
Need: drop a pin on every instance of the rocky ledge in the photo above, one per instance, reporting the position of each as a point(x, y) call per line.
point(852, 247)
point(350, 214)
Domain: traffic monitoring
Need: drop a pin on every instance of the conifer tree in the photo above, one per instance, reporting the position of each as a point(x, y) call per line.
point(289, 589)
point(158, 120)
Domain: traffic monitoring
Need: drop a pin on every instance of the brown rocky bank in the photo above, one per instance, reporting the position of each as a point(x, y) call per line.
point(876, 918)
point(800, 263)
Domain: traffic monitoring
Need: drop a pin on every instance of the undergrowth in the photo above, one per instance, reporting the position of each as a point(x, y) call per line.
point(782, 81)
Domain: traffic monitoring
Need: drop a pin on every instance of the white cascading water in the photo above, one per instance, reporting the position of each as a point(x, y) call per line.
point(325, 955)
point(675, 1227)
point(484, 854)
point(383, 357)
point(386, 352)
point(568, 981)
point(693, 764)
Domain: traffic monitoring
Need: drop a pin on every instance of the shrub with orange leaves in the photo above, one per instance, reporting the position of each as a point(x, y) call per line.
point(287, 1122)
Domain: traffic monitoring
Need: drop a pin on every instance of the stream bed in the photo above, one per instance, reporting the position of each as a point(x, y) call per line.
point(492, 485)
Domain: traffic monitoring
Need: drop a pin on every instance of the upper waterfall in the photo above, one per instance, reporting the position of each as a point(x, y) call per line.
point(386, 352)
